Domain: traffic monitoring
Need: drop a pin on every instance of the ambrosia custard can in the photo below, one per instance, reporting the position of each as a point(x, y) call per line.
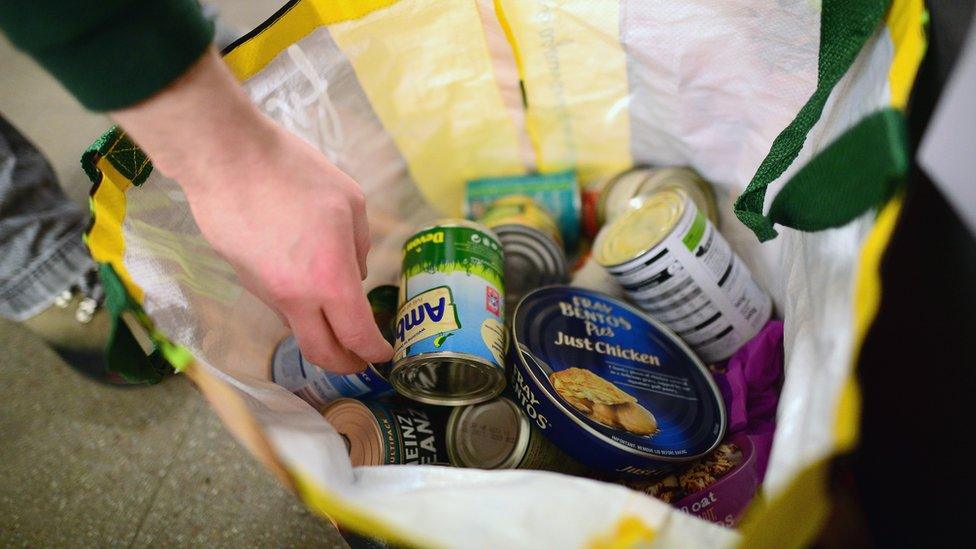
point(610, 386)
point(390, 433)
point(498, 435)
point(318, 386)
point(449, 333)
point(674, 264)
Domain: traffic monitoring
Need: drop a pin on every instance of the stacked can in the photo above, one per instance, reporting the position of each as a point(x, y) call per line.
point(533, 246)
point(390, 433)
point(674, 264)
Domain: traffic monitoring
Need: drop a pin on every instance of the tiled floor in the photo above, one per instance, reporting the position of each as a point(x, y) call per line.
point(87, 465)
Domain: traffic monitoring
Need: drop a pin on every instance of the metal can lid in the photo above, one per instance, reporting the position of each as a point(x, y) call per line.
point(360, 430)
point(618, 378)
point(448, 379)
point(455, 222)
point(637, 231)
point(490, 435)
point(699, 190)
point(617, 193)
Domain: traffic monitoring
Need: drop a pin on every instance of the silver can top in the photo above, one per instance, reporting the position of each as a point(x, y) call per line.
point(491, 435)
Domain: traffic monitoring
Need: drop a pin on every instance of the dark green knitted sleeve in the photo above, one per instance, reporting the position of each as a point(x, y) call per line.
point(109, 53)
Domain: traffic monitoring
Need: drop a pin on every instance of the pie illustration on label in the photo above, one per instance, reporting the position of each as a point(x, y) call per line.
point(602, 401)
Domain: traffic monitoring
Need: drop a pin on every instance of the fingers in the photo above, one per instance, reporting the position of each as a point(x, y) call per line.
point(319, 344)
point(351, 317)
point(360, 225)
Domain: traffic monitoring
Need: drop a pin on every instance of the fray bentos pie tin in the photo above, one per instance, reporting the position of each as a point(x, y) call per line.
point(610, 386)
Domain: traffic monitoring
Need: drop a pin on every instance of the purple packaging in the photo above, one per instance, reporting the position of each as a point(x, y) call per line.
point(726, 500)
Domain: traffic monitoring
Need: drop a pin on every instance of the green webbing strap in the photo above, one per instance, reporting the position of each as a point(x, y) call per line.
point(133, 356)
point(121, 152)
point(858, 171)
point(844, 28)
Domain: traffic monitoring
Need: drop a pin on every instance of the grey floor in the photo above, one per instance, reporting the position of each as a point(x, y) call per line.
point(87, 465)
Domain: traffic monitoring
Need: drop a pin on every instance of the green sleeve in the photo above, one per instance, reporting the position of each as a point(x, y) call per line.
point(109, 53)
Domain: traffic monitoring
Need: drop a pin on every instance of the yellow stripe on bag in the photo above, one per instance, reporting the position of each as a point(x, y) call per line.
point(575, 75)
point(630, 531)
point(795, 516)
point(332, 507)
point(867, 300)
point(301, 18)
point(106, 239)
point(905, 25)
point(426, 69)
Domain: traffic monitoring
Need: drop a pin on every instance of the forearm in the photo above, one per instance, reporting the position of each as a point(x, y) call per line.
point(111, 53)
point(198, 125)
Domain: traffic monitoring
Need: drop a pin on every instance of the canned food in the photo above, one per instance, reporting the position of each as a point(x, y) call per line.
point(318, 386)
point(558, 193)
point(533, 248)
point(386, 433)
point(498, 435)
point(450, 336)
point(630, 189)
point(674, 264)
point(610, 386)
point(523, 211)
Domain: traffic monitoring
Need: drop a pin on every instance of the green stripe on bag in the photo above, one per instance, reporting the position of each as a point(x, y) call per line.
point(844, 28)
point(122, 152)
point(856, 172)
point(130, 351)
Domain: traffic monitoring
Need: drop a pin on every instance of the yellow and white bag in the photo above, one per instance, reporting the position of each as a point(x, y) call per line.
point(792, 108)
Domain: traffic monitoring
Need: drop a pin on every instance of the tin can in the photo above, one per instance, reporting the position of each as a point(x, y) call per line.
point(674, 264)
point(523, 211)
point(390, 433)
point(533, 248)
point(450, 333)
point(610, 386)
point(498, 435)
point(318, 386)
point(630, 189)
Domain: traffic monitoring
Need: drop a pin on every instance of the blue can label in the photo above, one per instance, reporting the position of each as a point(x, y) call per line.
point(593, 369)
point(317, 386)
point(451, 295)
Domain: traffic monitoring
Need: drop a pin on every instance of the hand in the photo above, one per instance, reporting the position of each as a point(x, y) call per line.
point(292, 224)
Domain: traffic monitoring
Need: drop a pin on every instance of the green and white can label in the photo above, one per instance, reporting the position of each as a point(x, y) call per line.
point(451, 295)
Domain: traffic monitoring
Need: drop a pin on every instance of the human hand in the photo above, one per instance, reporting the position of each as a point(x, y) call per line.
point(291, 223)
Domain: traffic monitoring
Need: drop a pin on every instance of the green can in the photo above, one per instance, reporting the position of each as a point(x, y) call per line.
point(449, 333)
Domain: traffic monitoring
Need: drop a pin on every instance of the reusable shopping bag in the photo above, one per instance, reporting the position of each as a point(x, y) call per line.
point(793, 109)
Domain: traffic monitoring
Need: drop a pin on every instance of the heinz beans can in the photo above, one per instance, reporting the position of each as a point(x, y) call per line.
point(449, 331)
point(390, 433)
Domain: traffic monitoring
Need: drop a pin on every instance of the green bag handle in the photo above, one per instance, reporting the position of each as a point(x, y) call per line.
point(849, 177)
point(130, 351)
point(134, 351)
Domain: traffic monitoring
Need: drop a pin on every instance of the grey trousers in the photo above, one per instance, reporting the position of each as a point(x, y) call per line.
point(41, 251)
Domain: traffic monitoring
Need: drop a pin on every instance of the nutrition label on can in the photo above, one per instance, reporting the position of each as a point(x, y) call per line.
point(694, 283)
